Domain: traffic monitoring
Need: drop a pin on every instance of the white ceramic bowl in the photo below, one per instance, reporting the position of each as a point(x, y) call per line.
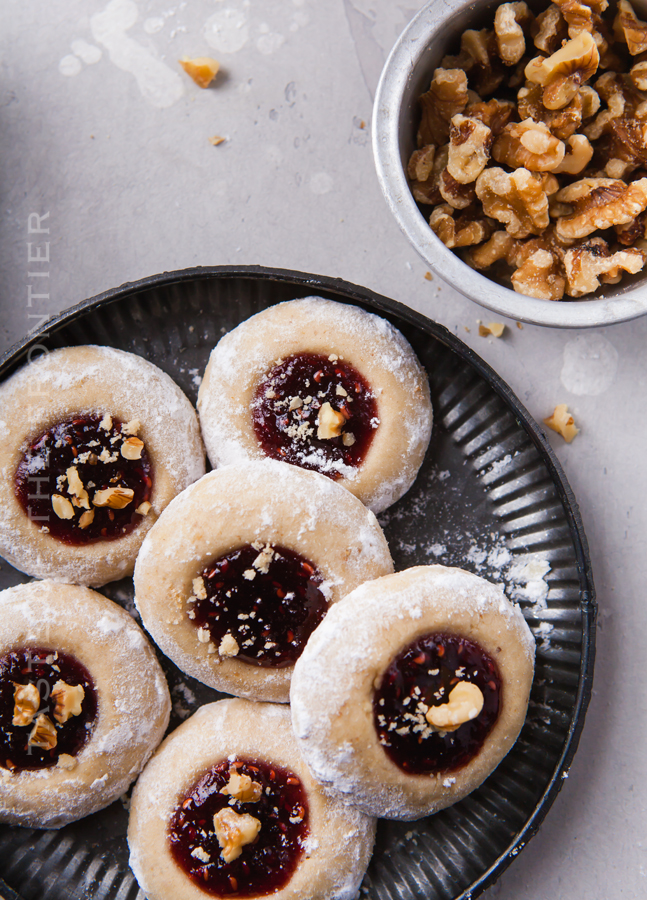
point(434, 32)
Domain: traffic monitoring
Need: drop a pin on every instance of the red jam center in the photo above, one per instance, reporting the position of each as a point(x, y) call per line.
point(423, 676)
point(43, 714)
point(315, 412)
point(268, 855)
point(86, 479)
point(259, 603)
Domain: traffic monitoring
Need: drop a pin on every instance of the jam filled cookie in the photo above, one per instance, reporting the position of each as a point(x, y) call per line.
point(243, 565)
point(324, 386)
point(227, 807)
point(412, 690)
point(94, 443)
point(83, 703)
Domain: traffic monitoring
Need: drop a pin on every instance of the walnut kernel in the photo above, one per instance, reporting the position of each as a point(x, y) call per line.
point(464, 703)
point(562, 422)
point(132, 448)
point(469, 148)
point(234, 831)
point(26, 700)
point(114, 497)
point(68, 699)
point(241, 787)
point(510, 38)
point(515, 199)
point(202, 69)
point(562, 74)
point(43, 735)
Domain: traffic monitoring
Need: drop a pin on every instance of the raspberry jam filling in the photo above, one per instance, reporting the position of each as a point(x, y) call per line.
point(425, 711)
point(315, 412)
point(86, 479)
point(48, 708)
point(240, 830)
point(259, 603)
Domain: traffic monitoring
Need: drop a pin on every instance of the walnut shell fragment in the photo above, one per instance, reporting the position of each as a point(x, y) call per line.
point(562, 74)
point(515, 199)
point(600, 203)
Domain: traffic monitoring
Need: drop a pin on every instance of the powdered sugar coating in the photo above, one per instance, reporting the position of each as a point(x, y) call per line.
point(369, 343)
point(337, 851)
point(133, 700)
point(265, 501)
point(83, 381)
point(346, 656)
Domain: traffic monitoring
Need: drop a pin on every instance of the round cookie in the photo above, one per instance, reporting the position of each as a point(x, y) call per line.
point(83, 703)
point(272, 806)
point(325, 386)
point(94, 443)
point(240, 568)
point(412, 690)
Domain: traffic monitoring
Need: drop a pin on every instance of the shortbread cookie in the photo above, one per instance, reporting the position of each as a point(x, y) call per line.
point(325, 386)
point(227, 806)
point(244, 564)
point(94, 443)
point(83, 703)
point(412, 690)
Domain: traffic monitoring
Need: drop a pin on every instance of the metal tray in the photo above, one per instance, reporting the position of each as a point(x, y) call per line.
point(490, 497)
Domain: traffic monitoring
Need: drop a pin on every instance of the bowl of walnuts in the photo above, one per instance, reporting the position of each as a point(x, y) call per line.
point(510, 142)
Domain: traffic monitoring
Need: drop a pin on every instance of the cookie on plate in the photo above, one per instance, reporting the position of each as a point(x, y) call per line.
point(412, 690)
point(243, 565)
point(325, 386)
point(94, 443)
point(83, 703)
point(227, 806)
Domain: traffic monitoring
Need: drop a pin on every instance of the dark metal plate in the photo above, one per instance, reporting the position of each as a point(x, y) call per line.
point(490, 497)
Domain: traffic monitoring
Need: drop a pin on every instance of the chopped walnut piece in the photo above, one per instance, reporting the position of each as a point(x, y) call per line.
point(462, 232)
point(549, 30)
point(202, 69)
point(447, 95)
point(540, 276)
point(26, 700)
point(114, 498)
point(500, 246)
point(508, 22)
point(43, 735)
point(87, 518)
point(62, 507)
point(638, 75)
point(586, 263)
point(241, 787)
point(131, 427)
point(464, 703)
point(495, 113)
point(458, 196)
point(67, 700)
point(228, 646)
point(590, 101)
point(199, 588)
point(469, 149)
point(429, 191)
point(629, 29)
point(479, 58)
point(562, 422)
point(562, 74)
point(530, 145)
point(599, 204)
point(421, 163)
point(495, 329)
point(144, 508)
point(515, 199)
point(329, 422)
point(132, 448)
point(560, 122)
point(578, 155)
point(234, 831)
point(76, 488)
point(632, 231)
point(66, 761)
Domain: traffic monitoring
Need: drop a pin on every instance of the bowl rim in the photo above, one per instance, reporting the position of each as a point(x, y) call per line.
point(397, 72)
